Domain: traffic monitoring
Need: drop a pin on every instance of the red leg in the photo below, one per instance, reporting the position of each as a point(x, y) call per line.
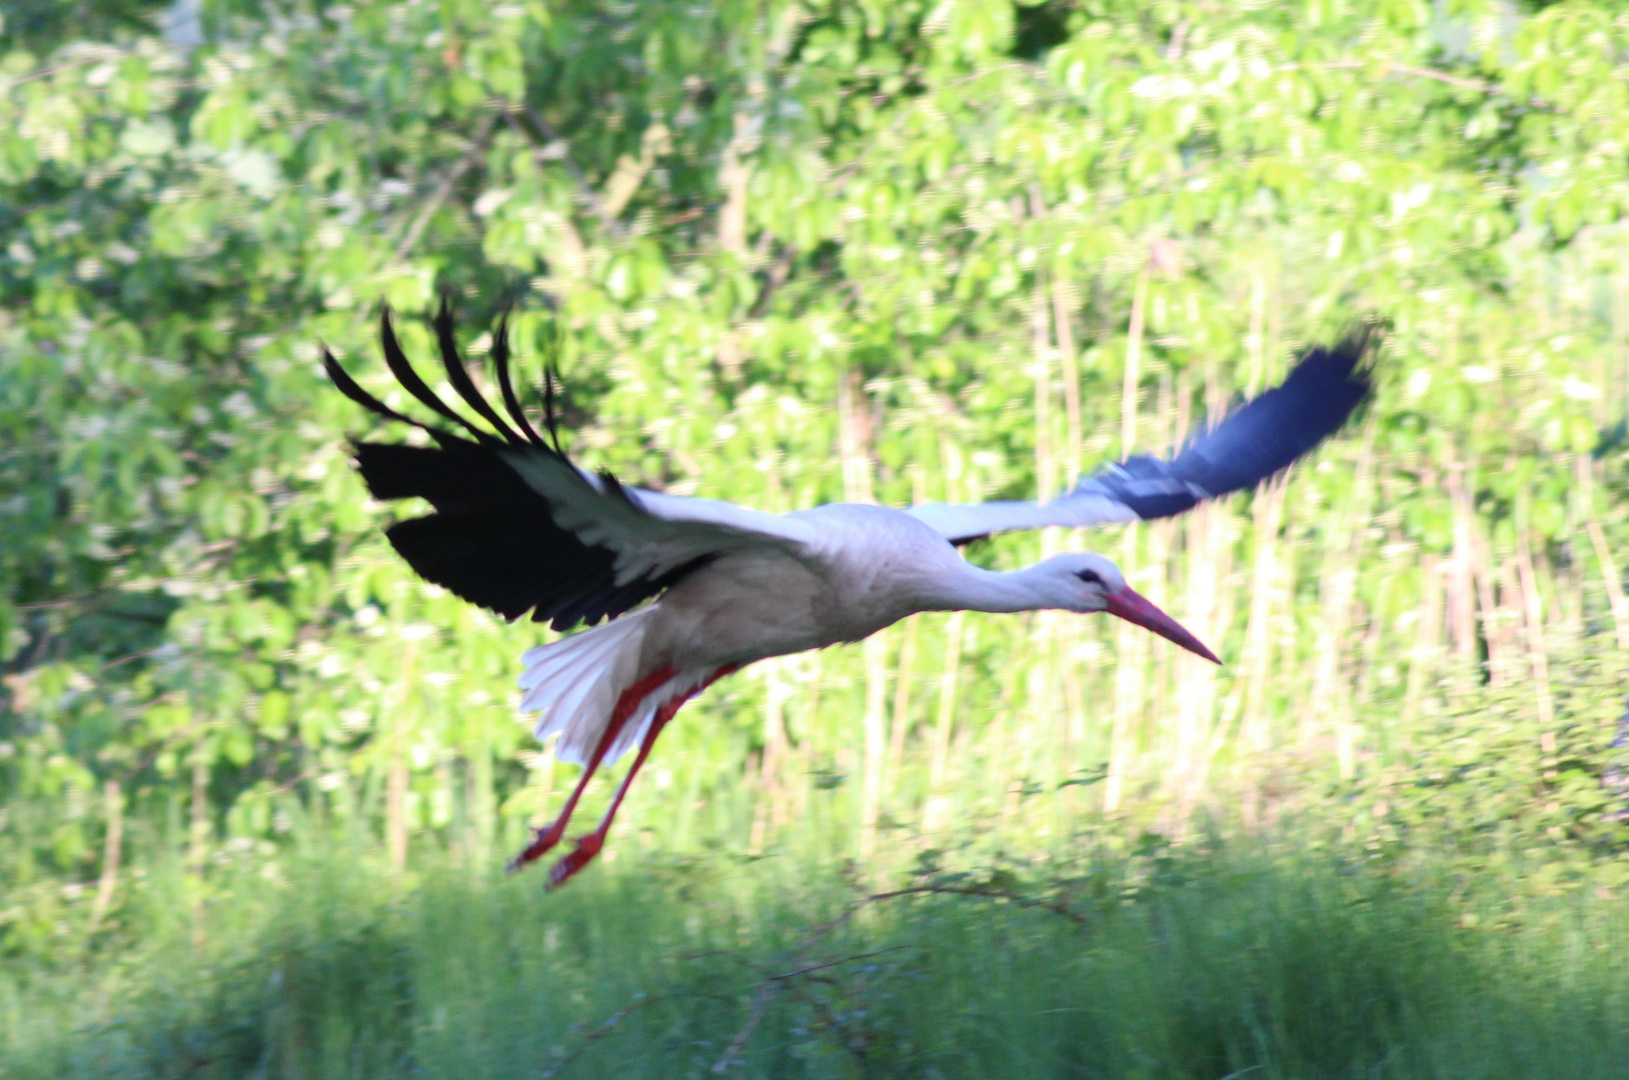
point(545, 838)
point(590, 845)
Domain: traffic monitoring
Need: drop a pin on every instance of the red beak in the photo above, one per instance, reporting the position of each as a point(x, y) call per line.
point(1134, 609)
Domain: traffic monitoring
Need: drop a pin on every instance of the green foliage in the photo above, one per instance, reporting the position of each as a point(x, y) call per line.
point(1175, 964)
point(792, 252)
point(1492, 800)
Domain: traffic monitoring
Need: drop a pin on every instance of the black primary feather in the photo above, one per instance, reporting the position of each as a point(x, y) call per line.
point(551, 416)
point(492, 539)
point(506, 387)
point(1253, 442)
point(459, 378)
point(348, 386)
point(397, 362)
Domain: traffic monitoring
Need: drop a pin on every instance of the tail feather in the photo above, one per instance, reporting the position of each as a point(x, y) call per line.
point(559, 674)
point(550, 662)
point(542, 663)
point(585, 700)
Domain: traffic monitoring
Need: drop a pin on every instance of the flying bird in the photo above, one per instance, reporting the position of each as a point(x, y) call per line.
point(690, 590)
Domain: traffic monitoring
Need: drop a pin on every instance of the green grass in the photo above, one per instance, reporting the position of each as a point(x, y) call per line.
point(1198, 965)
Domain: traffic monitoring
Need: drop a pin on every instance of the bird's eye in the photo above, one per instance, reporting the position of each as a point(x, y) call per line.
point(1090, 577)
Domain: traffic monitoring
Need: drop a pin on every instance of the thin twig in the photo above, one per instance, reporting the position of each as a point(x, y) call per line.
point(598, 1033)
point(1402, 69)
point(143, 654)
point(590, 196)
point(444, 189)
point(731, 954)
point(767, 987)
point(45, 73)
point(779, 271)
point(832, 963)
point(52, 605)
point(765, 991)
point(309, 774)
point(1054, 906)
point(684, 215)
point(760, 1005)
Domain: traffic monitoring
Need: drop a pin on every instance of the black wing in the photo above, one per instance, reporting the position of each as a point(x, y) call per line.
point(517, 527)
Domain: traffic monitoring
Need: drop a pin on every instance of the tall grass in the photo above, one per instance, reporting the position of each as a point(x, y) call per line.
point(1220, 960)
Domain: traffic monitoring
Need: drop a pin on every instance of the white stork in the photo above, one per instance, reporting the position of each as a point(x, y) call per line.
point(694, 589)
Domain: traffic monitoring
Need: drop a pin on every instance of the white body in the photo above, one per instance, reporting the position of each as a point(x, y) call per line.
point(874, 567)
point(859, 569)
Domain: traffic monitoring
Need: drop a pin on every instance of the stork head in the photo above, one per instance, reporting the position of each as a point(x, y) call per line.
point(1085, 582)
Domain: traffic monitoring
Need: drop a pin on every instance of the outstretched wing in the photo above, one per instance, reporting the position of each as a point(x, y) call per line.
point(517, 527)
point(1250, 444)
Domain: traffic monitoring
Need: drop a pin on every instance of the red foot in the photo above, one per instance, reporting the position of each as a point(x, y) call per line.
point(542, 840)
point(588, 847)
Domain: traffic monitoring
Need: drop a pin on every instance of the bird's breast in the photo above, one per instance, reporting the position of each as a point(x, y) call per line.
point(755, 604)
point(741, 608)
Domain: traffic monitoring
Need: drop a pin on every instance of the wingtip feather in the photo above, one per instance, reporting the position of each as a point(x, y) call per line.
point(1257, 440)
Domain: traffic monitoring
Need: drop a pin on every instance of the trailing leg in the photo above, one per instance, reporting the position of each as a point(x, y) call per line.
point(546, 838)
point(590, 845)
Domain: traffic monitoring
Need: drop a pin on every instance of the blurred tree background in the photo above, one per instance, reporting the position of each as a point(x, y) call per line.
point(792, 251)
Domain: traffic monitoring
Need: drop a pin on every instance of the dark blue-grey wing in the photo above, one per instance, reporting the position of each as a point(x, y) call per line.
point(1251, 444)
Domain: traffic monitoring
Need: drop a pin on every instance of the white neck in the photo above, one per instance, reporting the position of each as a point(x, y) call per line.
point(973, 588)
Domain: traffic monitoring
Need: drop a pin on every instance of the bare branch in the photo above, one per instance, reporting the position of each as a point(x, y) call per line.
point(1055, 906)
point(833, 963)
point(416, 229)
point(760, 1005)
point(589, 1037)
point(1402, 69)
point(547, 131)
point(779, 271)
